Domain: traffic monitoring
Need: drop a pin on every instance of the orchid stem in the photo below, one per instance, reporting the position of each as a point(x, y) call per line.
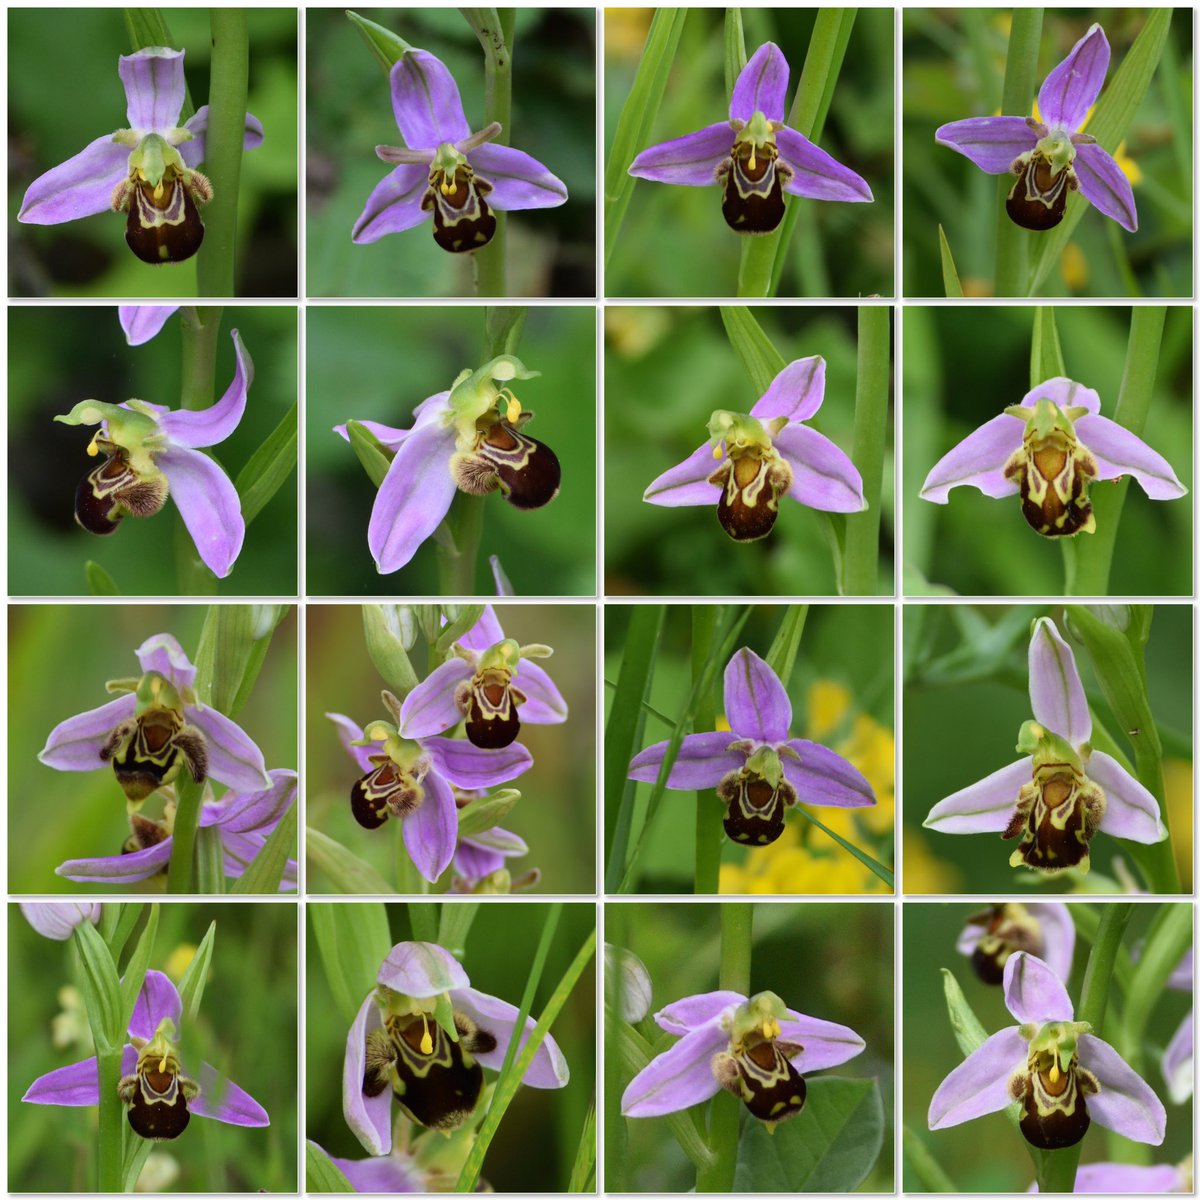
point(710, 833)
point(497, 106)
point(737, 935)
point(183, 840)
point(1089, 565)
point(1020, 75)
point(223, 154)
point(456, 568)
point(1058, 1167)
point(860, 559)
point(112, 1121)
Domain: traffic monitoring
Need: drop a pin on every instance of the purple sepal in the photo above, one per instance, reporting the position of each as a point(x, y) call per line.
point(369, 1117)
point(548, 1068)
point(430, 708)
point(430, 832)
point(823, 777)
point(471, 767)
point(677, 1078)
point(691, 160)
point(394, 205)
point(348, 732)
point(57, 921)
point(817, 175)
point(80, 187)
point(761, 85)
point(425, 101)
point(823, 477)
point(991, 143)
point(208, 503)
point(233, 758)
point(1033, 993)
point(979, 1084)
point(518, 180)
point(163, 653)
point(141, 322)
point(1055, 689)
point(421, 970)
point(756, 703)
point(208, 426)
point(154, 87)
point(702, 761)
point(797, 392)
point(686, 484)
point(1105, 185)
point(978, 461)
point(1119, 452)
point(1072, 87)
point(75, 744)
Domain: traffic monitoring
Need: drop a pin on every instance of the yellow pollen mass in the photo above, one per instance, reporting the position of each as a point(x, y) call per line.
point(1055, 1073)
point(717, 450)
point(751, 163)
point(426, 1038)
point(514, 409)
point(162, 1067)
point(93, 449)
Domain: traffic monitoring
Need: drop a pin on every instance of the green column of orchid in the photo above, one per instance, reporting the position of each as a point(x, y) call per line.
point(737, 936)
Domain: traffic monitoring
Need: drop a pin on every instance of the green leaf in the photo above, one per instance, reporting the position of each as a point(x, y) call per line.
point(387, 47)
point(195, 978)
point(125, 920)
point(873, 865)
point(584, 1168)
point(210, 861)
point(354, 940)
point(637, 118)
point(370, 452)
point(454, 926)
point(268, 468)
point(137, 1150)
point(322, 1174)
point(385, 646)
point(751, 344)
point(486, 812)
point(924, 1166)
point(135, 968)
point(950, 283)
point(735, 48)
point(502, 329)
point(349, 873)
point(1045, 351)
point(830, 1147)
point(233, 644)
point(781, 657)
point(99, 581)
point(1109, 122)
point(264, 875)
point(460, 619)
point(101, 987)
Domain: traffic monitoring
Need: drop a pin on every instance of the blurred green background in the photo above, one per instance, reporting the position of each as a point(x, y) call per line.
point(841, 692)
point(674, 241)
point(823, 960)
point(249, 1033)
point(551, 252)
point(556, 813)
point(535, 1146)
point(59, 658)
point(379, 364)
point(966, 694)
point(60, 356)
point(988, 1154)
point(64, 91)
point(962, 366)
point(666, 370)
point(954, 68)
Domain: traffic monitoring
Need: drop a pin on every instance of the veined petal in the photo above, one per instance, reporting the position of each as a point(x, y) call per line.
point(819, 175)
point(518, 180)
point(826, 1043)
point(387, 1174)
point(702, 760)
point(119, 868)
point(978, 461)
point(756, 702)
point(484, 633)
point(426, 102)
point(823, 777)
point(394, 205)
point(193, 152)
point(422, 969)
point(796, 392)
point(431, 831)
point(388, 436)
point(1055, 689)
point(162, 652)
point(1105, 185)
point(991, 143)
point(984, 807)
point(349, 732)
point(233, 758)
point(471, 767)
point(473, 861)
point(1033, 993)
point(158, 999)
point(414, 498)
point(544, 704)
point(1126, 1103)
point(154, 87)
point(1098, 1178)
point(258, 811)
point(141, 322)
point(370, 1117)
point(221, 1099)
point(761, 85)
point(58, 921)
point(80, 187)
point(1119, 452)
point(68, 1087)
point(208, 503)
point(686, 483)
point(75, 744)
point(208, 426)
point(1066, 393)
point(429, 708)
point(979, 1085)
point(1178, 1065)
point(677, 1078)
point(691, 160)
point(1058, 936)
point(1130, 811)
point(1072, 87)
point(823, 477)
point(691, 1012)
point(549, 1067)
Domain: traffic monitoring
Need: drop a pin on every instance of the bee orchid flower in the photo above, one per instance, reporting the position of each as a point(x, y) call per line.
point(994, 935)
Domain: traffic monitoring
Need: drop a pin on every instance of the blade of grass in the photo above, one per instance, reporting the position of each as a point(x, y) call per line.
point(264, 875)
point(710, 830)
point(583, 1169)
point(269, 467)
point(191, 986)
point(872, 865)
point(950, 283)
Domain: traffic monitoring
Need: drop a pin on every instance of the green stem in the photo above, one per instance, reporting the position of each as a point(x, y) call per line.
point(223, 152)
point(1020, 86)
point(757, 263)
point(497, 106)
point(183, 841)
point(860, 560)
point(737, 935)
point(1093, 555)
point(929, 1172)
point(710, 833)
point(112, 1122)
point(1166, 943)
point(1059, 1166)
point(456, 567)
